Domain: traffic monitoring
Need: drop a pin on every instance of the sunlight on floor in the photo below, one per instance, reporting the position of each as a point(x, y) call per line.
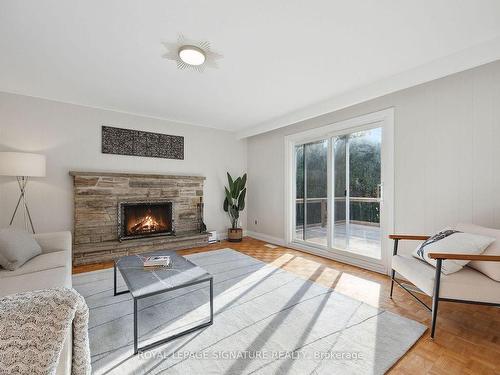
point(283, 259)
point(359, 288)
point(354, 286)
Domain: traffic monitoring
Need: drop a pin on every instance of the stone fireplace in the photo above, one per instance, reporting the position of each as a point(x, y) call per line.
point(118, 214)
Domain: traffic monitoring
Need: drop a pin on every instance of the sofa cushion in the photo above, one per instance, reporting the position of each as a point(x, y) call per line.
point(55, 241)
point(39, 263)
point(466, 284)
point(452, 241)
point(490, 269)
point(16, 248)
point(51, 278)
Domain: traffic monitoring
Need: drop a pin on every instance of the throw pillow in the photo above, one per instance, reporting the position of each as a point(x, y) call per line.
point(16, 248)
point(490, 269)
point(452, 241)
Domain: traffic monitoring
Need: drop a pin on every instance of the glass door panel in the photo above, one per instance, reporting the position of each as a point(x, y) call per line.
point(299, 192)
point(311, 192)
point(340, 239)
point(364, 192)
point(316, 193)
point(357, 189)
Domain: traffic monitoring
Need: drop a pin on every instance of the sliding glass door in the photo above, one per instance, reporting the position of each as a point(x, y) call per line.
point(338, 189)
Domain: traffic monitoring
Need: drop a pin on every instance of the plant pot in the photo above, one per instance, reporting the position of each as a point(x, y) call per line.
point(234, 235)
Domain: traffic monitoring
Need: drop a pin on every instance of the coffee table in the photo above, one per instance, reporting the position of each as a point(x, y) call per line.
point(143, 282)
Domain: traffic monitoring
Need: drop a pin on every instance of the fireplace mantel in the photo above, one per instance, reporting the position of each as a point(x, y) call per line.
point(97, 196)
point(134, 175)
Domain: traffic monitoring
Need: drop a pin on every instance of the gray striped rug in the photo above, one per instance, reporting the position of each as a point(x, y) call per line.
point(266, 321)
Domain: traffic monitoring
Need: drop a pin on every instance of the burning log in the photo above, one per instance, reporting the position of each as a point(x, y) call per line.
point(148, 224)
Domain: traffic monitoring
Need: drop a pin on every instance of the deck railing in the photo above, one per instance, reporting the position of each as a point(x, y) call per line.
point(365, 215)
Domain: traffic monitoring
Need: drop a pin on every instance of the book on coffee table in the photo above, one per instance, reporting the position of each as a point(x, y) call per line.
point(157, 261)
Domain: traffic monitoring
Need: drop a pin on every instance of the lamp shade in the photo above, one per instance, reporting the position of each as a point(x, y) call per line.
point(22, 164)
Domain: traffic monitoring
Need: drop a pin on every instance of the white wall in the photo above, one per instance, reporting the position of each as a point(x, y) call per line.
point(447, 155)
point(70, 137)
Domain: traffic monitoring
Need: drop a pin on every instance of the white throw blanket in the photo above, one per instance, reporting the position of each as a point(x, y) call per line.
point(33, 327)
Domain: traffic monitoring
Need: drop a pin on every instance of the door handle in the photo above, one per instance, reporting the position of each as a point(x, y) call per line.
point(380, 192)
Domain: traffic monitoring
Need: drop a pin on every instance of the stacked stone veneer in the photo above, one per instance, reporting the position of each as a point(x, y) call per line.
point(97, 196)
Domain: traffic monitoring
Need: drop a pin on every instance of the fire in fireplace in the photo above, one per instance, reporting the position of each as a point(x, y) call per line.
point(142, 219)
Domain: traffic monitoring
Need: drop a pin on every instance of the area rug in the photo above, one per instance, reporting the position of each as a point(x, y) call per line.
point(266, 321)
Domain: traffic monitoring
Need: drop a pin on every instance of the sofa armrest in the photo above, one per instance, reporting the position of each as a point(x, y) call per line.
point(56, 241)
point(486, 258)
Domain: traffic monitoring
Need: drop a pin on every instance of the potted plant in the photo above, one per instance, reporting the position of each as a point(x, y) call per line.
point(234, 202)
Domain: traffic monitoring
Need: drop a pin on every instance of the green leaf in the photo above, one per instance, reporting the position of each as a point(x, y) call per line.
point(226, 205)
point(228, 197)
point(230, 180)
point(244, 181)
point(236, 191)
point(241, 200)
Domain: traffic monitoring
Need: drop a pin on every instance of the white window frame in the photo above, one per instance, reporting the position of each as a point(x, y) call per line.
point(383, 119)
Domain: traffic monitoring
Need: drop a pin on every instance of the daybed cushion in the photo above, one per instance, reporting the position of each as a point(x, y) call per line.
point(466, 284)
point(16, 248)
point(490, 269)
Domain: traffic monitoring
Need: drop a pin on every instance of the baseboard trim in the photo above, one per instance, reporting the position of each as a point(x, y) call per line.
point(266, 238)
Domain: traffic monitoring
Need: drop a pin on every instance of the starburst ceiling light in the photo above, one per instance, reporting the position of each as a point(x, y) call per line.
point(190, 54)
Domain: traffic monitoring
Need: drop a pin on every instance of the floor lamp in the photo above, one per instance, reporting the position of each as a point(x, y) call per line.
point(22, 165)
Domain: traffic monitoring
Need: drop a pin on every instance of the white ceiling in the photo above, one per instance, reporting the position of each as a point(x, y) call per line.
point(283, 60)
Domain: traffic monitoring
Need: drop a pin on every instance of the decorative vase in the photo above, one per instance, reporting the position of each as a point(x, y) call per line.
point(234, 234)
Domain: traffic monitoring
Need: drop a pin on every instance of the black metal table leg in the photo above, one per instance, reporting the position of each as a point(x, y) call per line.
point(114, 278)
point(115, 293)
point(135, 327)
point(138, 349)
point(211, 300)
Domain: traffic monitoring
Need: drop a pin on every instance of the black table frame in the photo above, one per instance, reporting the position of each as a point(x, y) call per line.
point(138, 349)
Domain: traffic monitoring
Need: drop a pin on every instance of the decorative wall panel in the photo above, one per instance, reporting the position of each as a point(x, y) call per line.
point(140, 143)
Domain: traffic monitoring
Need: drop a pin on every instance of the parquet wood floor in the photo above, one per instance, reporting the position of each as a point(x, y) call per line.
point(467, 337)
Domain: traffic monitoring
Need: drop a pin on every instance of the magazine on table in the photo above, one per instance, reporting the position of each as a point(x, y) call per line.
point(157, 261)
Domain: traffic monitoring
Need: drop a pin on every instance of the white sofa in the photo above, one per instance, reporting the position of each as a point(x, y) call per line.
point(50, 269)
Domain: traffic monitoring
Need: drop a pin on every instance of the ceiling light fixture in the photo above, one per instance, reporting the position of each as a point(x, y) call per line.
point(191, 54)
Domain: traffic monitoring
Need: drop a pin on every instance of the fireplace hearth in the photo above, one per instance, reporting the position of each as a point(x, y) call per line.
point(141, 219)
